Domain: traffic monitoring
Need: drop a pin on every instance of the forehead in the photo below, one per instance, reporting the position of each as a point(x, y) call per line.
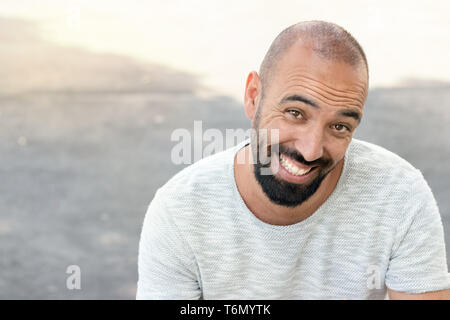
point(331, 82)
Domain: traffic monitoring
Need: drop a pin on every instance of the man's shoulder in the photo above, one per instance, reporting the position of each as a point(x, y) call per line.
point(380, 172)
point(206, 175)
point(372, 159)
point(192, 194)
point(380, 179)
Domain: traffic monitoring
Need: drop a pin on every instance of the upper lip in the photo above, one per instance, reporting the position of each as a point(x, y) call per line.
point(298, 164)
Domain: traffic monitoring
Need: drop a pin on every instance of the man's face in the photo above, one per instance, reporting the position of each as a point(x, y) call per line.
point(315, 104)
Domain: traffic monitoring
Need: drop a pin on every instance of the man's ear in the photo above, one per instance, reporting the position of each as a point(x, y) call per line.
point(252, 94)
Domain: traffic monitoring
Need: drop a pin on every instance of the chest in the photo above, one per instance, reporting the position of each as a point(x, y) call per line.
point(324, 263)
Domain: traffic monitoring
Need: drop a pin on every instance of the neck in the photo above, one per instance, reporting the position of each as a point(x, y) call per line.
point(267, 211)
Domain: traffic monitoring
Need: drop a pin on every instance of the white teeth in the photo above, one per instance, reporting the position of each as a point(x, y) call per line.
point(293, 169)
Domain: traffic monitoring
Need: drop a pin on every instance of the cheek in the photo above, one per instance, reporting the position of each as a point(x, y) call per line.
point(276, 123)
point(272, 121)
point(286, 129)
point(337, 152)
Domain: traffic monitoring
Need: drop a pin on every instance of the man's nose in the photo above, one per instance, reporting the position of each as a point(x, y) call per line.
point(310, 143)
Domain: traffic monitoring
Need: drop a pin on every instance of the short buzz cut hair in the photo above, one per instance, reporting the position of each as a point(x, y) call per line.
point(328, 40)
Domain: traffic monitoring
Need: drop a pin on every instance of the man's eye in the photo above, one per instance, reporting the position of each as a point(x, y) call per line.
point(341, 128)
point(296, 113)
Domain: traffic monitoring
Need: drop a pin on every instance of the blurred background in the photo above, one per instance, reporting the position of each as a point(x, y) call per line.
point(90, 92)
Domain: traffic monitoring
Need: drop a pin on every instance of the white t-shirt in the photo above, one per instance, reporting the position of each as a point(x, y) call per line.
point(380, 227)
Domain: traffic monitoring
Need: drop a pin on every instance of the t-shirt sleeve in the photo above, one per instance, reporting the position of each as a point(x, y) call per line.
point(166, 264)
point(418, 261)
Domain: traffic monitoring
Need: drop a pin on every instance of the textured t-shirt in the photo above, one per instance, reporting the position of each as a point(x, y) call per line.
point(379, 227)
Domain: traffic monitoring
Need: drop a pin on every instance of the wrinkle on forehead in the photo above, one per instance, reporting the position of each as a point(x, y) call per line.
point(354, 95)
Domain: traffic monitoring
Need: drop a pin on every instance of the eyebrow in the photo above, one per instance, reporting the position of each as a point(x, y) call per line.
point(296, 97)
point(350, 113)
point(345, 113)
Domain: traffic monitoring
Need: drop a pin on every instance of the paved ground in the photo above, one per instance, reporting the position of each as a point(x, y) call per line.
point(77, 172)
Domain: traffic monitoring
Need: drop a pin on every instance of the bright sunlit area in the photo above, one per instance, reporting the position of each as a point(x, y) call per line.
point(221, 41)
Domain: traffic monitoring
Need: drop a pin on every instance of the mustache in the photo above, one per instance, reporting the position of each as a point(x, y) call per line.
point(294, 154)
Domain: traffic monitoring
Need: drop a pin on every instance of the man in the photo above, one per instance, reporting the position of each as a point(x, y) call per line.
point(335, 218)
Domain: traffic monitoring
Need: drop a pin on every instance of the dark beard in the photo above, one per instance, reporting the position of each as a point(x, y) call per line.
point(285, 193)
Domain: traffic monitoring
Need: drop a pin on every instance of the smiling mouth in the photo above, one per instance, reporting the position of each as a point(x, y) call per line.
point(292, 168)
